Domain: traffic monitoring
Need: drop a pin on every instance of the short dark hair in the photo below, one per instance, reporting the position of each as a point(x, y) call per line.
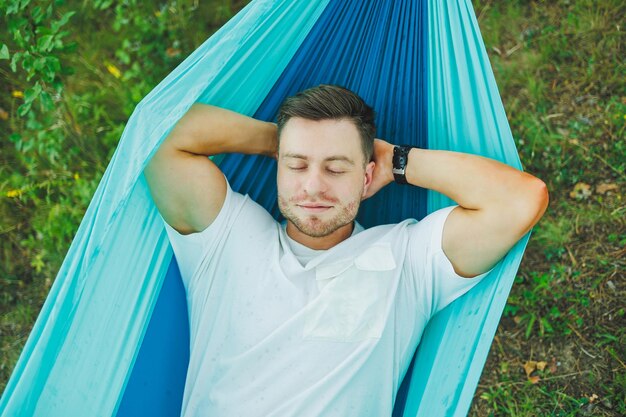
point(335, 103)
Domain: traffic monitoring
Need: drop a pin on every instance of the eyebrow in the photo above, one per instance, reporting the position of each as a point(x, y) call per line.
point(329, 159)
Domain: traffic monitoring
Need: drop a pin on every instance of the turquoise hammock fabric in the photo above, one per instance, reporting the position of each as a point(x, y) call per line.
point(112, 337)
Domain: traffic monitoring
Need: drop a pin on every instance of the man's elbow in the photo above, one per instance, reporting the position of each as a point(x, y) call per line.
point(538, 201)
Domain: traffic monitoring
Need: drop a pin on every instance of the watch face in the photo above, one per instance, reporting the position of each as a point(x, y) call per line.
point(399, 159)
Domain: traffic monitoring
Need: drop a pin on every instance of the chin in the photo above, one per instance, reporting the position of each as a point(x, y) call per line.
point(313, 227)
point(321, 231)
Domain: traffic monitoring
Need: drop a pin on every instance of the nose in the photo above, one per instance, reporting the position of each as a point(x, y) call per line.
point(314, 182)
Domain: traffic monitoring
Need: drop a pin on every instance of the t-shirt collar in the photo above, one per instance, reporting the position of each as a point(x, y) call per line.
point(303, 253)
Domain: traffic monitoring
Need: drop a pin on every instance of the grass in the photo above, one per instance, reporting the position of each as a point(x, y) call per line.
point(563, 88)
point(560, 71)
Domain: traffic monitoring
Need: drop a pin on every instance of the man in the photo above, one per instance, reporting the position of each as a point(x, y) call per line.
point(317, 316)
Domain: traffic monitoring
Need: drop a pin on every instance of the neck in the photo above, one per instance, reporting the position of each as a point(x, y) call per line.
point(320, 243)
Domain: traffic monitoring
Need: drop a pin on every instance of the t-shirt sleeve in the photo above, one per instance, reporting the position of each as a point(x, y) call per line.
point(191, 249)
point(437, 284)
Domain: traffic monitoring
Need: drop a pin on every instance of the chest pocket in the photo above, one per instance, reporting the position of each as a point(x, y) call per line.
point(353, 298)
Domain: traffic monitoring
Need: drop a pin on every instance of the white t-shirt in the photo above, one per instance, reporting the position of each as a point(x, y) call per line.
point(278, 329)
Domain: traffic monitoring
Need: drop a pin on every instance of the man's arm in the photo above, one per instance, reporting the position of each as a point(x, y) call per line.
point(187, 187)
point(498, 204)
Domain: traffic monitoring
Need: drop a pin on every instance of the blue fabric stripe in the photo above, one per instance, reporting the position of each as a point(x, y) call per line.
point(161, 366)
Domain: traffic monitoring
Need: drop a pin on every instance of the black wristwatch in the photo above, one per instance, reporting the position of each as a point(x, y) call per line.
point(400, 159)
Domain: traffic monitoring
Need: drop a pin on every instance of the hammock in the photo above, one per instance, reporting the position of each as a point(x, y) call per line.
point(112, 336)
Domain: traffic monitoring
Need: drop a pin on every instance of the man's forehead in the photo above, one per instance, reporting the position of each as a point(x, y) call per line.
point(340, 131)
point(320, 140)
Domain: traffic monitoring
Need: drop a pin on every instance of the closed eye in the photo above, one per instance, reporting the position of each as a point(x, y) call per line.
point(336, 172)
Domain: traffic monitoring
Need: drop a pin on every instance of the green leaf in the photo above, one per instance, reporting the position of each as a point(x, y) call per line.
point(24, 109)
point(16, 57)
point(32, 93)
point(13, 8)
point(103, 4)
point(123, 56)
point(19, 39)
point(44, 43)
point(38, 64)
point(4, 52)
point(53, 66)
point(37, 14)
point(24, 4)
point(64, 19)
point(27, 60)
point(46, 101)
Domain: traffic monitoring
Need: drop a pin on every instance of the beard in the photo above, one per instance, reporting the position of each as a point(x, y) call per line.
point(325, 224)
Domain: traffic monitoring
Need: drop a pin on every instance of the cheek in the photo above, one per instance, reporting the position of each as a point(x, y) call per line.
point(280, 178)
point(352, 185)
point(284, 183)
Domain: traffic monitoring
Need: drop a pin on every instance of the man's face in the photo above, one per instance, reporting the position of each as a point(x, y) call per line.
point(321, 176)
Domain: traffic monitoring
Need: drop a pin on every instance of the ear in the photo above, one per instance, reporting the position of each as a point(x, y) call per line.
point(368, 177)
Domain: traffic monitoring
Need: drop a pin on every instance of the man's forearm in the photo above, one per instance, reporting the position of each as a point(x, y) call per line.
point(209, 130)
point(473, 181)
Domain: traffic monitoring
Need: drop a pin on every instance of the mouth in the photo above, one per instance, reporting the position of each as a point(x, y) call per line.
point(314, 208)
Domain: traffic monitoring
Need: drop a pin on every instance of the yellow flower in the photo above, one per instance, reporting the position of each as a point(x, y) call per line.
point(17, 94)
point(114, 70)
point(14, 193)
point(76, 176)
point(157, 13)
